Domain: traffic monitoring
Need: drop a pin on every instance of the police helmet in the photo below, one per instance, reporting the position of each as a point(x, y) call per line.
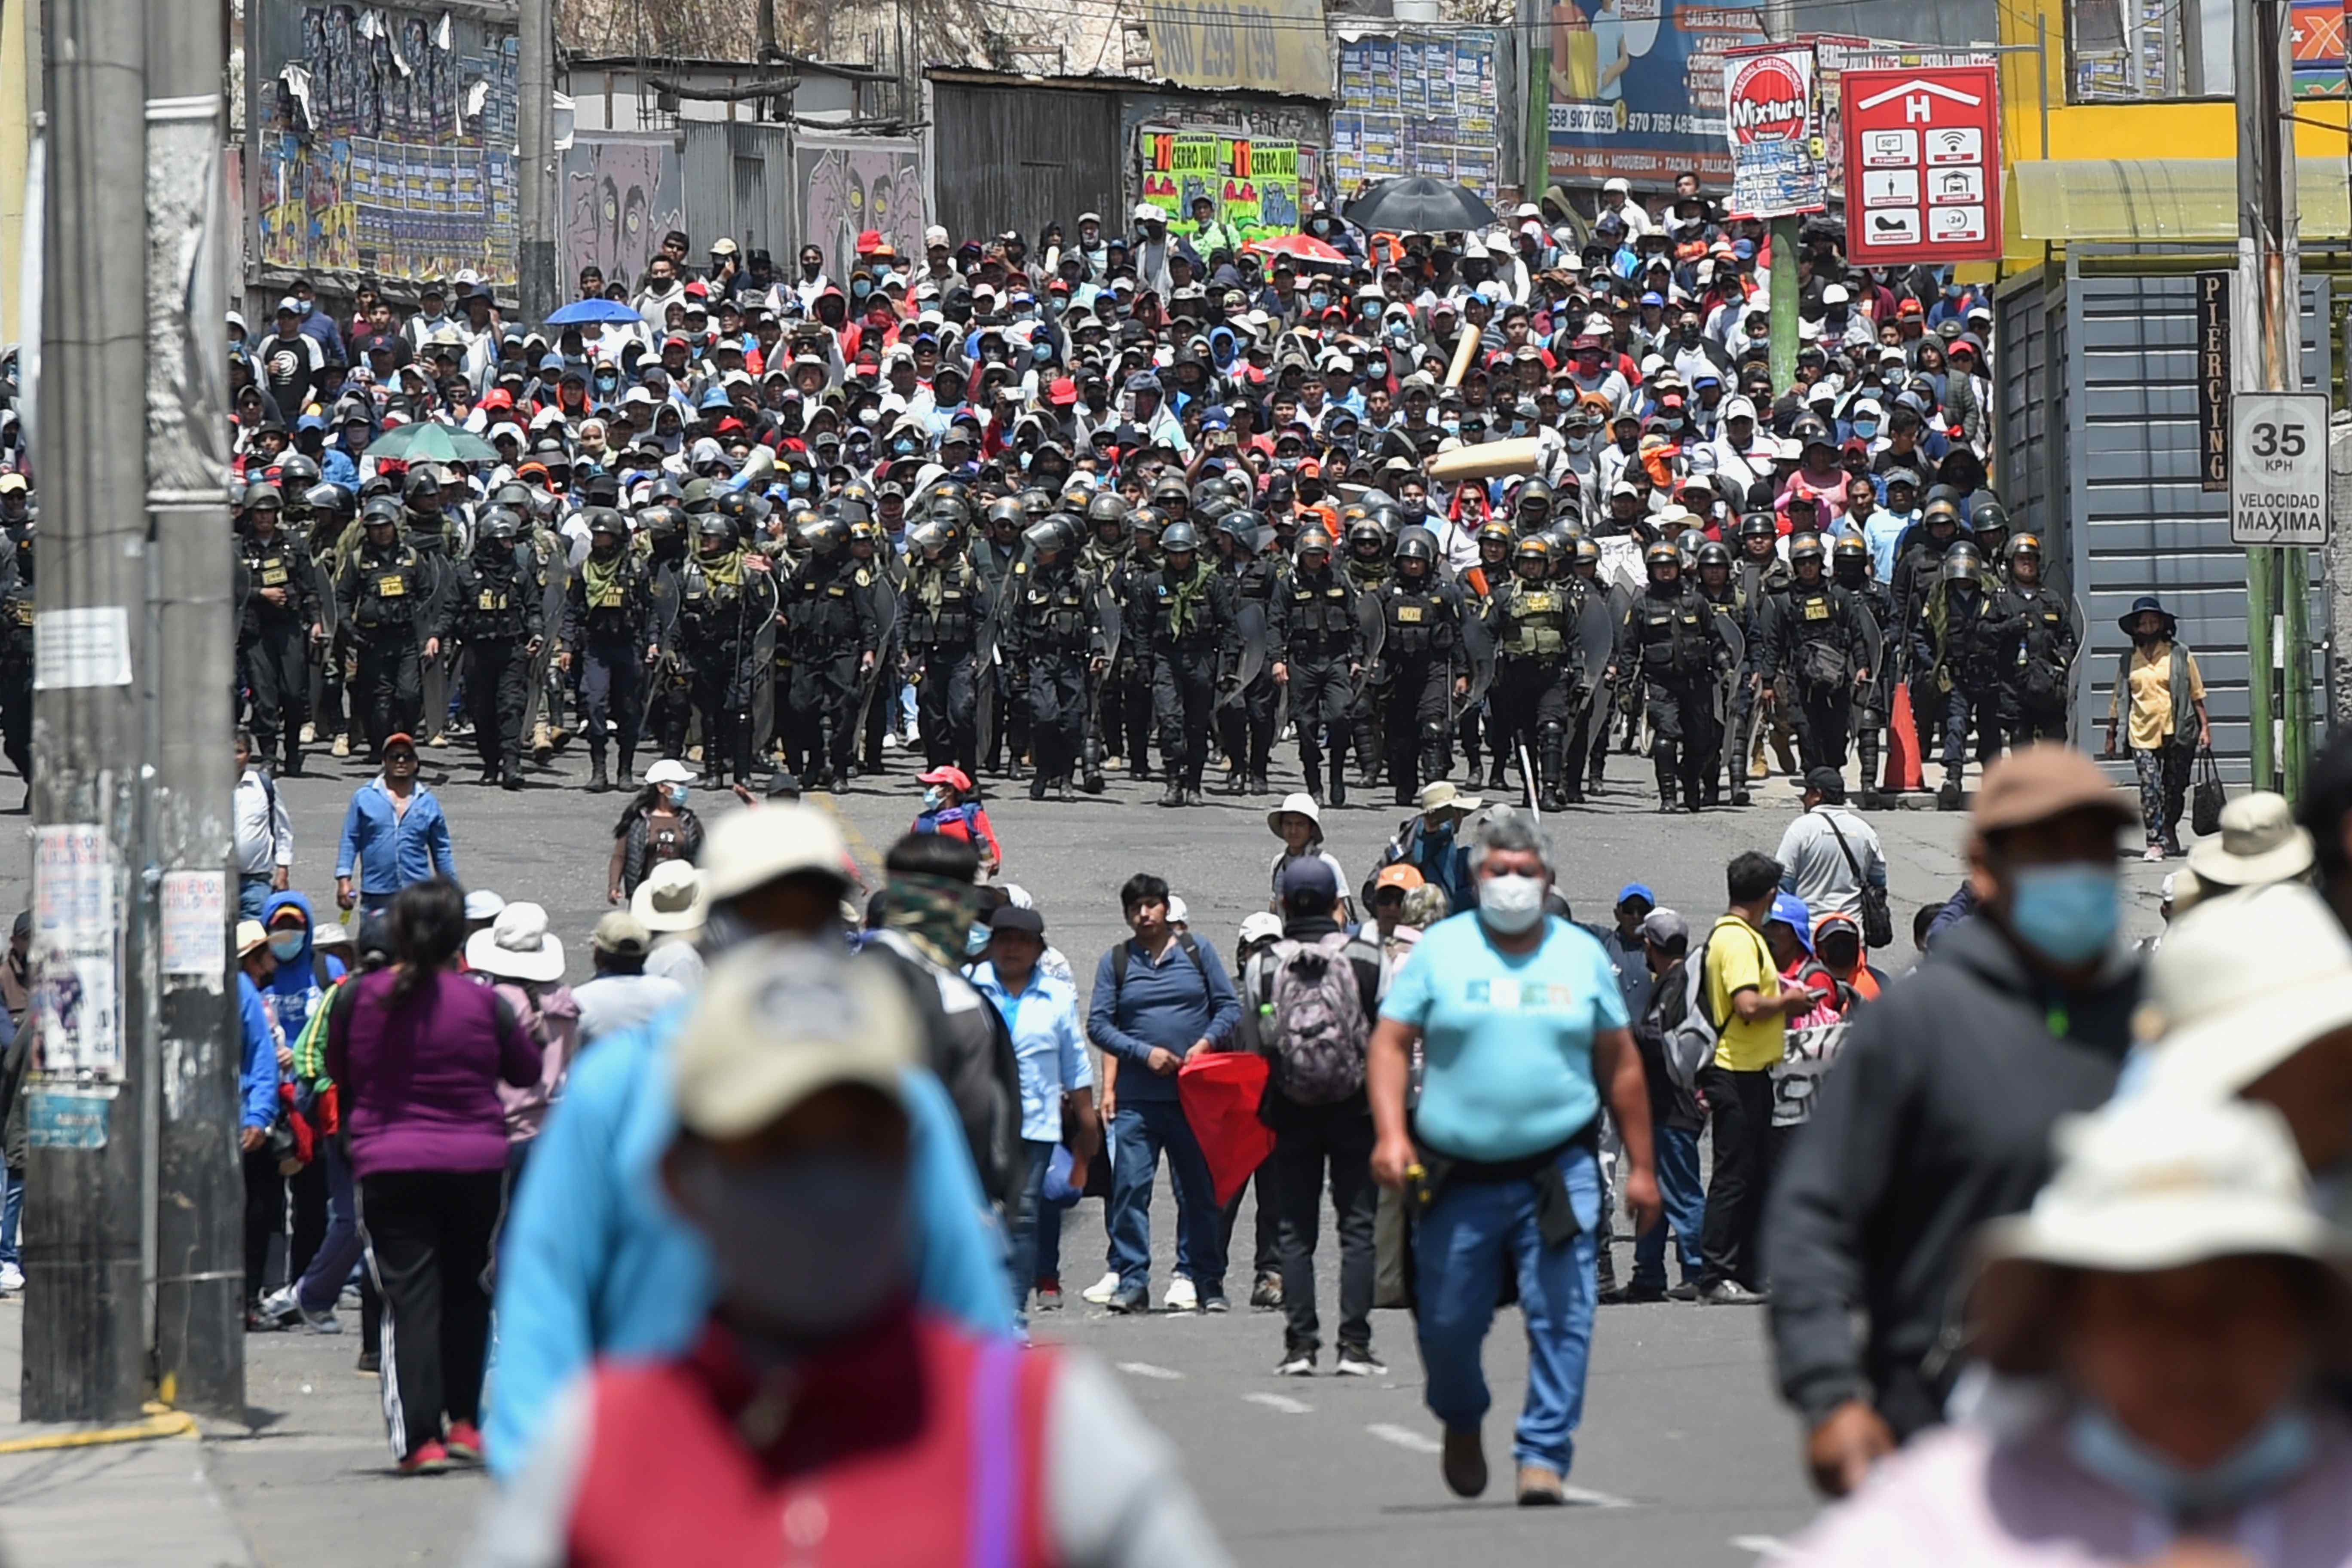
point(1180, 538)
point(1365, 532)
point(295, 469)
point(1941, 510)
point(660, 521)
point(1961, 564)
point(1532, 493)
point(1169, 495)
point(1588, 553)
point(1532, 548)
point(1687, 542)
point(2024, 544)
point(825, 536)
point(1107, 505)
point(1008, 510)
point(1713, 552)
point(929, 535)
point(1056, 532)
point(1417, 544)
point(710, 525)
point(1146, 521)
point(381, 511)
point(333, 500)
point(420, 483)
point(1806, 547)
point(1661, 555)
point(1495, 532)
point(1313, 538)
point(264, 494)
point(499, 525)
point(604, 519)
point(1849, 547)
point(699, 495)
point(1758, 525)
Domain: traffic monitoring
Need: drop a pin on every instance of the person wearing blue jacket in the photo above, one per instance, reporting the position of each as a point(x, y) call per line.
point(326, 1216)
point(393, 833)
point(256, 1094)
point(592, 1262)
point(1157, 999)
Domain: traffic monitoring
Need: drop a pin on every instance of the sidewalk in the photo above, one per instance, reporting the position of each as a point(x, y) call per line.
point(309, 1480)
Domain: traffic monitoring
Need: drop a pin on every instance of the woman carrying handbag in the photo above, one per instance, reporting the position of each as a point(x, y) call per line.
point(2158, 677)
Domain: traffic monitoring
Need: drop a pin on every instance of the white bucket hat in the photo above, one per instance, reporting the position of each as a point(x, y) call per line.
point(673, 897)
point(1300, 805)
point(2148, 1183)
point(1440, 795)
point(518, 946)
point(2240, 984)
point(2258, 842)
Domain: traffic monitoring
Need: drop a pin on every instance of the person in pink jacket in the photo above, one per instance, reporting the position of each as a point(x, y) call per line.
point(2157, 1328)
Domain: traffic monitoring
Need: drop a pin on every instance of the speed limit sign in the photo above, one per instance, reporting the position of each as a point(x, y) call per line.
point(2278, 467)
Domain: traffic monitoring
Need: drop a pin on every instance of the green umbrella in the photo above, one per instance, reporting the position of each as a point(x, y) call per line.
point(428, 443)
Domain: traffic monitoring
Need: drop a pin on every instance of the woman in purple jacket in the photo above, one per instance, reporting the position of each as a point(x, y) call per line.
point(419, 1051)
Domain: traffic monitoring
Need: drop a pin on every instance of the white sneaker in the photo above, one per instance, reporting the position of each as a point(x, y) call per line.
point(1102, 1289)
point(280, 1305)
point(1180, 1297)
point(889, 741)
point(11, 1280)
point(323, 1322)
point(1297, 1364)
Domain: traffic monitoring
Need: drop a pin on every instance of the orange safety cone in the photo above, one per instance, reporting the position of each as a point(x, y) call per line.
point(1903, 743)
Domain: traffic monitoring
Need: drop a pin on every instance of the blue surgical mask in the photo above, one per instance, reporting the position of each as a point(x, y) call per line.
point(287, 946)
point(674, 794)
point(975, 940)
point(932, 799)
point(2065, 913)
point(2274, 1454)
point(1865, 428)
point(1041, 353)
point(1318, 300)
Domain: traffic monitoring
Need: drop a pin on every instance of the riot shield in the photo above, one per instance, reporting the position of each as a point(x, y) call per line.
point(1874, 641)
point(441, 580)
point(558, 574)
point(1726, 706)
point(1596, 637)
point(1112, 615)
point(1374, 624)
point(881, 596)
point(1478, 650)
point(1255, 638)
point(2082, 636)
point(762, 595)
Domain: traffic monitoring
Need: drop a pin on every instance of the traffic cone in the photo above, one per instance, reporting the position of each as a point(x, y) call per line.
point(1902, 744)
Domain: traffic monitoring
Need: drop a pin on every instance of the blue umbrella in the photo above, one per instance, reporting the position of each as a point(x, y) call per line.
point(587, 313)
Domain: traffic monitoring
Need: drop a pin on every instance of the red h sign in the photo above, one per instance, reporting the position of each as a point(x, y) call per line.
point(1922, 165)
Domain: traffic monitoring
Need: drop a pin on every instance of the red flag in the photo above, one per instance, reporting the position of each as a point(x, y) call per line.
point(1219, 1092)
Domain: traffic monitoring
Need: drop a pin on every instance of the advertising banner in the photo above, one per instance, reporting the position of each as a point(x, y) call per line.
point(1637, 87)
point(1772, 119)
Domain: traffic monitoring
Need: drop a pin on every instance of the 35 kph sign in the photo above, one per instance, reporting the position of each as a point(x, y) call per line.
point(2278, 467)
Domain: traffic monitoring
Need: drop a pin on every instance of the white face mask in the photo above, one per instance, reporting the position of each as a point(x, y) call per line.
point(1510, 905)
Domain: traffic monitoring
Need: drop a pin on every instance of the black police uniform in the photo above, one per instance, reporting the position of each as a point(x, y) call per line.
point(496, 606)
point(1870, 701)
point(385, 597)
point(1320, 640)
point(940, 616)
point(1537, 670)
point(608, 625)
point(829, 623)
point(2035, 672)
point(721, 605)
point(878, 577)
point(1186, 622)
point(1054, 632)
point(1420, 656)
point(1817, 648)
point(1672, 635)
point(1246, 720)
point(274, 641)
point(1367, 578)
point(1961, 635)
point(1731, 607)
point(669, 688)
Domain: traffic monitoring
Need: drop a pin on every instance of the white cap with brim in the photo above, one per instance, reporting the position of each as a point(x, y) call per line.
point(2260, 842)
point(762, 843)
point(779, 1019)
point(2211, 1021)
point(1294, 804)
point(518, 946)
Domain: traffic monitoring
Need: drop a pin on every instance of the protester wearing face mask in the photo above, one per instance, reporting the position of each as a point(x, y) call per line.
point(950, 808)
point(1500, 1158)
point(2165, 689)
point(817, 1390)
point(2177, 1311)
point(655, 826)
point(1937, 1117)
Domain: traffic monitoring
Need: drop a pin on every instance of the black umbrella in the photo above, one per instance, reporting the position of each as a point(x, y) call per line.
point(1419, 204)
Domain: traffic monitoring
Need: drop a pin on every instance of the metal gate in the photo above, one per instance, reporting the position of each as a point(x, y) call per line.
point(1022, 158)
point(739, 183)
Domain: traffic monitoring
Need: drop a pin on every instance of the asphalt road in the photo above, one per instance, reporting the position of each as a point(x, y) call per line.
point(1684, 1457)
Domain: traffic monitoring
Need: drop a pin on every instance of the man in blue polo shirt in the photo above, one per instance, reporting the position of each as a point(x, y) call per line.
point(1158, 997)
point(1523, 1030)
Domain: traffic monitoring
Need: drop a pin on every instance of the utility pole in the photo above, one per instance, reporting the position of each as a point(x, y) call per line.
point(1780, 23)
point(535, 163)
point(84, 1339)
point(1535, 168)
point(191, 1039)
point(2270, 274)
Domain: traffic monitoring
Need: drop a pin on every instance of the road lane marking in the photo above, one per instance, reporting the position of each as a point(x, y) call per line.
point(1405, 1437)
point(1585, 1497)
point(1768, 1546)
point(1145, 1369)
point(1281, 1402)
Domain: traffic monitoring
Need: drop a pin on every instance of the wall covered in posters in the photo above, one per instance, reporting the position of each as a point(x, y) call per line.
point(850, 184)
point(1255, 183)
point(1412, 103)
point(621, 195)
point(1637, 87)
point(385, 144)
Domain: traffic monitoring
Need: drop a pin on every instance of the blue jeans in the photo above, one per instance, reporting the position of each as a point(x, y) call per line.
point(1035, 1250)
point(331, 1265)
point(1142, 1130)
point(1459, 1248)
point(1684, 1197)
point(12, 1210)
point(253, 890)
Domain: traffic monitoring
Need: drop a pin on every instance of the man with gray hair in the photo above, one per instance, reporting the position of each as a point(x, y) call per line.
point(1523, 1032)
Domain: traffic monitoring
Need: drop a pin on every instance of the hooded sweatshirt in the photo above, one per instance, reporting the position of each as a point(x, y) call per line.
point(295, 991)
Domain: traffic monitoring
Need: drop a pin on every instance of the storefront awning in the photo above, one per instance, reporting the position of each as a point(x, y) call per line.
point(2163, 200)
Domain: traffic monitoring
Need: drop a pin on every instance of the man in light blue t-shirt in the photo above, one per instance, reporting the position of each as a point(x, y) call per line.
point(1523, 1031)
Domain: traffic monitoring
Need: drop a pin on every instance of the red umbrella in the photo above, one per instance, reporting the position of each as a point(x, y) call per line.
point(1220, 1093)
point(1299, 247)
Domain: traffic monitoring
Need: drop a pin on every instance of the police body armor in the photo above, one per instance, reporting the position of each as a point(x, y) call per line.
point(495, 599)
point(1674, 635)
point(1536, 624)
point(944, 607)
point(1817, 624)
point(1322, 618)
point(1420, 623)
point(1055, 611)
point(390, 588)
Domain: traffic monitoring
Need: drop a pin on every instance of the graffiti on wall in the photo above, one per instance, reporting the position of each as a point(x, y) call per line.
point(853, 186)
point(386, 146)
point(619, 198)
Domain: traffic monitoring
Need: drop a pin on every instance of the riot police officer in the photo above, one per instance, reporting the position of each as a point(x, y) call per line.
point(2036, 675)
point(1055, 637)
point(1422, 669)
point(724, 597)
point(661, 543)
point(1479, 585)
point(384, 596)
point(608, 626)
point(996, 553)
point(1817, 655)
point(877, 573)
point(1672, 635)
point(1319, 648)
point(1850, 569)
point(1245, 715)
point(1716, 586)
point(282, 622)
point(1368, 568)
point(329, 518)
point(1186, 612)
point(1961, 637)
point(940, 615)
point(829, 621)
point(1536, 671)
point(495, 607)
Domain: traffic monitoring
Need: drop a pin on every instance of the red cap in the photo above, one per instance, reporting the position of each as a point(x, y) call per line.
point(399, 738)
point(497, 397)
point(869, 242)
point(951, 775)
point(1910, 308)
point(1062, 393)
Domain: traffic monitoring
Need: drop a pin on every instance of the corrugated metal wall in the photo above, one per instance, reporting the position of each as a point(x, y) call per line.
point(2135, 519)
point(1022, 157)
point(739, 183)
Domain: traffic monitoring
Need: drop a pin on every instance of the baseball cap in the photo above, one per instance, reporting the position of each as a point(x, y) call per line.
point(1020, 917)
point(1790, 912)
point(621, 934)
point(1306, 879)
point(762, 844)
point(482, 904)
point(779, 1019)
point(400, 738)
point(1400, 876)
point(1664, 927)
point(1637, 891)
point(2043, 782)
